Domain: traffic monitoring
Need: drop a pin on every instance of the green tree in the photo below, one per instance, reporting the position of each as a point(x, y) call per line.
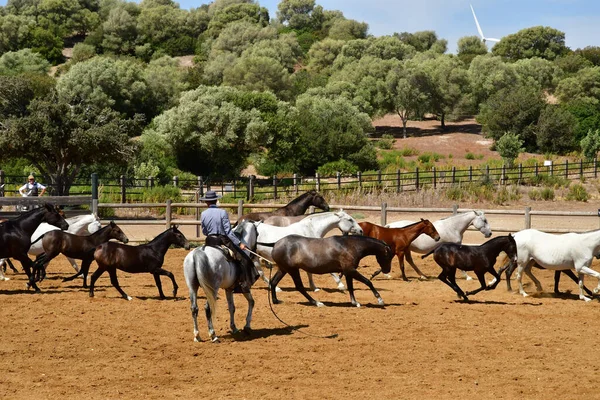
point(555, 130)
point(539, 72)
point(322, 54)
point(584, 85)
point(16, 93)
point(259, 73)
point(119, 31)
point(590, 53)
point(571, 63)
point(165, 83)
point(538, 41)
point(489, 75)
point(251, 13)
point(18, 62)
point(421, 41)
point(15, 31)
point(470, 47)
point(509, 146)
point(69, 138)
point(590, 144)
point(348, 29)
point(587, 115)
point(296, 14)
point(82, 52)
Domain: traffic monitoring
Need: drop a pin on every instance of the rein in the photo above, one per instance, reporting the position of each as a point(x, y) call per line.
point(333, 336)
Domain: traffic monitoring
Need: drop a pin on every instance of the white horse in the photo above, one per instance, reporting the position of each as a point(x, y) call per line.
point(557, 252)
point(315, 226)
point(208, 267)
point(451, 230)
point(78, 225)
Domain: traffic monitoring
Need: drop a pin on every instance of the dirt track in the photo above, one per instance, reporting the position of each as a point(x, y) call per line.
point(423, 344)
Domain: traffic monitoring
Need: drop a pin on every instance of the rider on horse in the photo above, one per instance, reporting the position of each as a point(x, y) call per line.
point(217, 229)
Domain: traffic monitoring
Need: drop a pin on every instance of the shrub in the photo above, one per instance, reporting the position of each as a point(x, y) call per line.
point(509, 146)
point(386, 142)
point(547, 194)
point(341, 166)
point(408, 151)
point(455, 193)
point(470, 156)
point(577, 193)
point(392, 159)
point(535, 195)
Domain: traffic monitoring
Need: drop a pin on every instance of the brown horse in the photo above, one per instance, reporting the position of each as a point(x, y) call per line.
point(149, 257)
point(399, 239)
point(298, 206)
point(78, 247)
point(328, 255)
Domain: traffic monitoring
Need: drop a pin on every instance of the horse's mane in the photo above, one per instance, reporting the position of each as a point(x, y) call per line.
point(454, 215)
point(407, 226)
point(302, 197)
point(317, 214)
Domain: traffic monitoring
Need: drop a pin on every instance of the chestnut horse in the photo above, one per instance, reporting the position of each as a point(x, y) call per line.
point(148, 257)
point(481, 259)
point(328, 255)
point(298, 206)
point(399, 239)
point(78, 247)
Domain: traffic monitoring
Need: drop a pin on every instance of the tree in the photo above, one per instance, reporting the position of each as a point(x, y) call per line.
point(22, 61)
point(587, 116)
point(322, 54)
point(82, 52)
point(259, 73)
point(15, 95)
point(68, 137)
point(15, 31)
point(120, 32)
point(470, 47)
point(538, 41)
point(590, 144)
point(488, 75)
point(409, 91)
point(571, 63)
point(165, 83)
point(509, 146)
point(584, 85)
point(555, 130)
point(514, 109)
point(348, 29)
point(537, 71)
point(421, 41)
point(296, 14)
point(590, 53)
point(251, 13)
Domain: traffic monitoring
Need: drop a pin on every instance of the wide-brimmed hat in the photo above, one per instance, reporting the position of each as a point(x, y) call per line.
point(211, 195)
point(31, 177)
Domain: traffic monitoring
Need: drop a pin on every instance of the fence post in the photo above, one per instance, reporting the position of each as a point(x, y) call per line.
point(454, 209)
point(528, 217)
point(520, 172)
point(94, 191)
point(397, 181)
point(503, 178)
point(250, 187)
point(234, 188)
point(168, 214)
point(296, 183)
point(123, 190)
point(595, 167)
point(339, 180)
point(470, 173)
point(175, 181)
point(580, 169)
point(383, 214)
point(379, 176)
point(359, 176)
point(566, 169)
point(201, 185)
point(417, 178)
point(453, 175)
point(318, 182)
point(151, 182)
point(552, 169)
point(487, 173)
point(434, 178)
point(240, 208)
point(274, 186)
point(536, 170)
point(197, 200)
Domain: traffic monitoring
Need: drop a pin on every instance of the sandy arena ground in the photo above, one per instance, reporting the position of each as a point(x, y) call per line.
point(422, 344)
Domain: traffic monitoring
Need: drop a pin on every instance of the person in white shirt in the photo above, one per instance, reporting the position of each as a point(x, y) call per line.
point(32, 188)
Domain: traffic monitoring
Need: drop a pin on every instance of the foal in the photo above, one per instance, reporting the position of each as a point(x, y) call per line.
point(399, 239)
point(480, 259)
point(149, 257)
point(77, 247)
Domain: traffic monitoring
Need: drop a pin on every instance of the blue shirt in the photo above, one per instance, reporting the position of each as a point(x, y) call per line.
point(215, 221)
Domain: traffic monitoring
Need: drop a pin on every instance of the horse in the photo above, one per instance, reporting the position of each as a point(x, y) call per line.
point(399, 239)
point(148, 257)
point(79, 247)
point(210, 268)
point(298, 206)
point(557, 252)
point(451, 230)
point(15, 235)
point(328, 255)
point(315, 225)
point(481, 259)
point(283, 220)
point(78, 225)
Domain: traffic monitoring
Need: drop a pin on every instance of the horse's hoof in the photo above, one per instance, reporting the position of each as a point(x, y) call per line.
point(596, 290)
point(423, 278)
point(319, 304)
point(5, 278)
point(247, 331)
point(389, 276)
point(278, 289)
point(585, 298)
point(468, 278)
point(341, 287)
point(129, 298)
point(215, 340)
point(357, 305)
point(197, 339)
point(316, 289)
point(235, 331)
point(380, 302)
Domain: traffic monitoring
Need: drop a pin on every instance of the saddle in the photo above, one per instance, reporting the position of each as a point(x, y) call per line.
point(218, 242)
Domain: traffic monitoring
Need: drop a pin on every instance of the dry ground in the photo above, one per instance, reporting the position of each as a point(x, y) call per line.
point(422, 344)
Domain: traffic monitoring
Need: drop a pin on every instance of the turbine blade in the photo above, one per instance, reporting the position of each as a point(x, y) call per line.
point(492, 39)
point(477, 23)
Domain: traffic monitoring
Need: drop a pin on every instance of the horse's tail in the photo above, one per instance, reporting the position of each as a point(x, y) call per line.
point(210, 291)
point(266, 244)
point(426, 255)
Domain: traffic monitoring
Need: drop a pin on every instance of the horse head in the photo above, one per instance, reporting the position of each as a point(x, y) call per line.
point(318, 201)
point(53, 216)
point(511, 249)
point(116, 233)
point(178, 238)
point(384, 259)
point(347, 224)
point(480, 223)
point(247, 232)
point(430, 230)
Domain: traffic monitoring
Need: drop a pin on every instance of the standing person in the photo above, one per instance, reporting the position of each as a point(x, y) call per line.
point(32, 188)
point(217, 229)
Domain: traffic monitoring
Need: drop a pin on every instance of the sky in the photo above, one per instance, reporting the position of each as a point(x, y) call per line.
point(452, 19)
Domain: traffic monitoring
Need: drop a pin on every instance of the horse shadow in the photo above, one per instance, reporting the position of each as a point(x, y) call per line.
point(263, 333)
point(494, 302)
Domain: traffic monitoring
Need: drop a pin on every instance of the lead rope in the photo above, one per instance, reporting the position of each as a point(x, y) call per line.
point(270, 265)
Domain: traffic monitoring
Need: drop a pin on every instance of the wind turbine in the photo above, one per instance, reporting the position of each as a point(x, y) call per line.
point(479, 29)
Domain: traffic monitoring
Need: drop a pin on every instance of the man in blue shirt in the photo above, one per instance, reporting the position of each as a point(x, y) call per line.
point(217, 229)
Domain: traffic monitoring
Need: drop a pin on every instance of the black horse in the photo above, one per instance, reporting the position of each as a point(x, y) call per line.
point(298, 206)
point(327, 255)
point(481, 259)
point(77, 247)
point(149, 257)
point(15, 236)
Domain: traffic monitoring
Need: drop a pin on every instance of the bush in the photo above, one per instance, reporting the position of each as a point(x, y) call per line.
point(342, 166)
point(577, 193)
point(455, 193)
point(386, 142)
point(547, 194)
point(408, 151)
point(535, 195)
point(392, 159)
point(509, 146)
point(470, 156)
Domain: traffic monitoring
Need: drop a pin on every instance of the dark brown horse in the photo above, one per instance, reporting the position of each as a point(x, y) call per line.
point(480, 259)
point(298, 206)
point(328, 255)
point(399, 239)
point(149, 257)
point(77, 247)
point(15, 236)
